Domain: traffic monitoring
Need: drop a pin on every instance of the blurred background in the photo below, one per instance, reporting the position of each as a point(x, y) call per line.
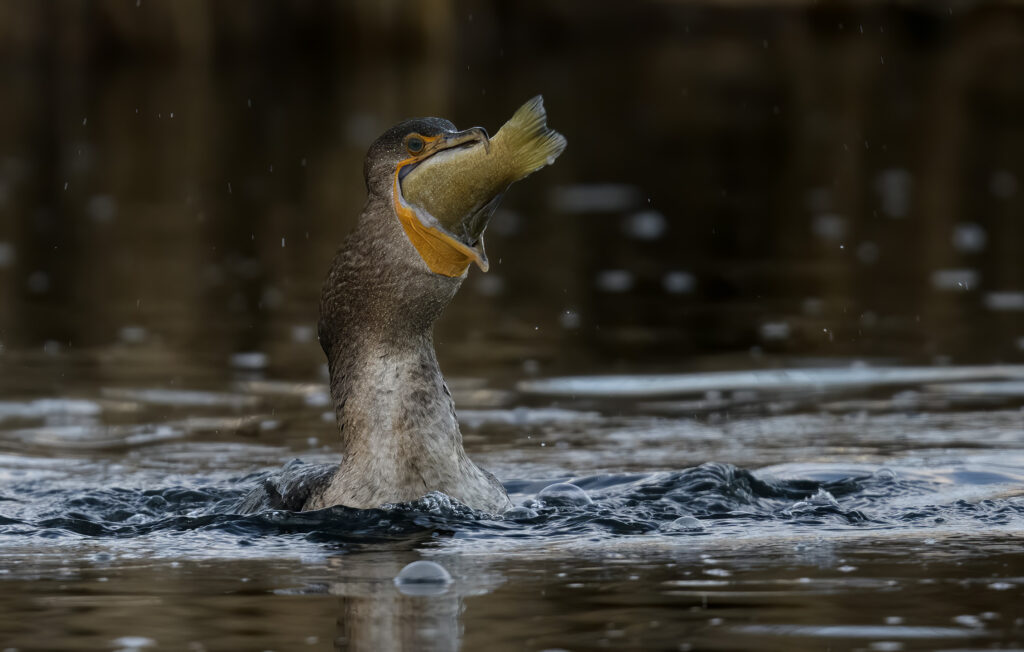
point(746, 184)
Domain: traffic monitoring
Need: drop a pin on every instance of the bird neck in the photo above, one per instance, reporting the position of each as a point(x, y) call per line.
point(377, 312)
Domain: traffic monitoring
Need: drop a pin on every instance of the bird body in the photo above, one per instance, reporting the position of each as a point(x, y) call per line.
point(388, 283)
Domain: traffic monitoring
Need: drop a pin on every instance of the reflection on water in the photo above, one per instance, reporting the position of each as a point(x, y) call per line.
point(886, 514)
point(806, 220)
point(777, 182)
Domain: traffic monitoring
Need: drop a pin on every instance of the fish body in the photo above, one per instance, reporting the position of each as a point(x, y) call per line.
point(459, 187)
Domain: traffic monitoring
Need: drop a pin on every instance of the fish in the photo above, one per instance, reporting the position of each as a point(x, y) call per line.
point(460, 187)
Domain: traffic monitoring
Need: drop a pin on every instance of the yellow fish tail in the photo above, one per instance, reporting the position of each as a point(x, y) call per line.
point(529, 142)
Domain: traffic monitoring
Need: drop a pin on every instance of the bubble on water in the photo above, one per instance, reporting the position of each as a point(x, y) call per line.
point(893, 620)
point(519, 513)
point(423, 578)
point(686, 524)
point(829, 226)
point(645, 225)
point(1003, 184)
point(969, 237)
point(775, 331)
point(615, 280)
point(894, 188)
point(677, 282)
point(564, 494)
point(955, 279)
point(1005, 301)
point(846, 568)
point(885, 474)
point(1001, 586)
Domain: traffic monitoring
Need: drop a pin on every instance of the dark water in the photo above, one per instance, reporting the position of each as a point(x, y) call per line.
point(767, 312)
point(889, 515)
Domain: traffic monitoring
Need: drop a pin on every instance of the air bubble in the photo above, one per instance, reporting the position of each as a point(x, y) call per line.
point(564, 494)
point(423, 578)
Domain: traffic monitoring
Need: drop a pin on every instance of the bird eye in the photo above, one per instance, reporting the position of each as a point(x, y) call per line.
point(414, 144)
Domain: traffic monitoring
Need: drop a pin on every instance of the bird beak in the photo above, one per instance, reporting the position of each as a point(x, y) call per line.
point(447, 251)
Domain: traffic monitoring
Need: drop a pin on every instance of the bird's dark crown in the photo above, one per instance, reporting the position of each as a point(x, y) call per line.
point(390, 149)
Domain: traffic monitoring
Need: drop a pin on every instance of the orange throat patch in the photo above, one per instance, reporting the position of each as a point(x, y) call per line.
point(442, 253)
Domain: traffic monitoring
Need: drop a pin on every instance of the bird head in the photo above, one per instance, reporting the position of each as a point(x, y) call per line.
point(396, 154)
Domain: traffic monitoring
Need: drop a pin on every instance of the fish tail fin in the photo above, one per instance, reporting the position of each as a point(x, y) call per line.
point(530, 142)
